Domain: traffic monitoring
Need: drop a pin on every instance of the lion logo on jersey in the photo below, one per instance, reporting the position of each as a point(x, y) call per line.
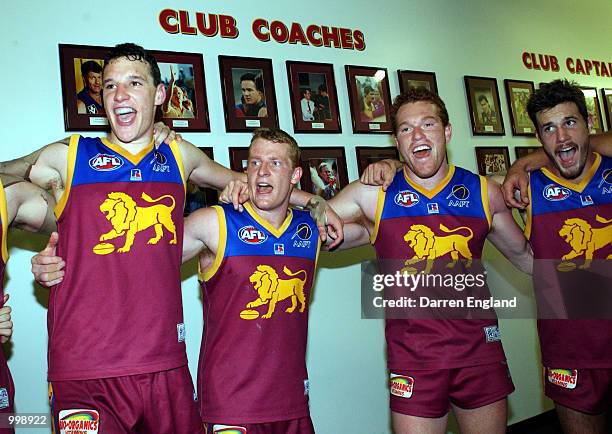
point(584, 239)
point(271, 289)
point(429, 246)
point(127, 219)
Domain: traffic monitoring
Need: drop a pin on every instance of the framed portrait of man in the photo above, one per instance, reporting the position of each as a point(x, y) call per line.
point(324, 170)
point(249, 99)
point(416, 79)
point(370, 98)
point(518, 93)
point(484, 106)
point(314, 100)
point(492, 160)
point(592, 104)
point(606, 95)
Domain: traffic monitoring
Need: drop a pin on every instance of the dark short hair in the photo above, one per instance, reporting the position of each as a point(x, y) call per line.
point(303, 92)
point(554, 93)
point(276, 135)
point(90, 66)
point(483, 97)
point(417, 94)
point(134, 52)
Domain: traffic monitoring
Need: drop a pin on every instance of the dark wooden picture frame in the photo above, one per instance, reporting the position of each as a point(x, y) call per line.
point(369, 98)
point(82, 112)
point(367, 155)
point(255, 105)
point(592, 103)
point(324, 170)
point(186, 104)
point(484, 106)
point(198, 197)
point(408, 79)
point(606, 96)
point(314, 99)
point(517, 95)
point(521, 151)
point(239, 156)
point(492, 160)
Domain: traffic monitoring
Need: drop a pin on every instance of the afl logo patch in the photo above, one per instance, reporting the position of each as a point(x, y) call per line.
point(105, 162)
point(251, 235)
point(555, 193)
point(459, 192)
point(303, 232)
point(406, 198)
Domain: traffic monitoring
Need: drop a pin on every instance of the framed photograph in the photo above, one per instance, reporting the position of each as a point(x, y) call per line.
point(521, 151)
point(367, 155)
point(81, 76)
point(197, 197)
point(483, 102)
point(492, 160)
point(408, 79)
point(324, 170)
point(369, 98)
point(606, 95)
point(186, 105)
point(239, 158)
point(517, 95)
point(249, 100)
point(314, 100)
point(592, 103)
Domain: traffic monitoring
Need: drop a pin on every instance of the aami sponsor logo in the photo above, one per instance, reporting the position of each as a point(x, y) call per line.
point(78, 421)
point(251, 235)
point(105, 162)
point(458, 197)
point(566, 378)
point(606, 182)
point(401, 385)
point(303, 233)
point(406, 198)
point(555, 193)
point(159, 162)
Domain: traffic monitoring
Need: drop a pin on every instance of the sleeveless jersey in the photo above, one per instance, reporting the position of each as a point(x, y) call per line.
point(408, 219)
point(256, 294)
point(566, 224)
point(118, 310)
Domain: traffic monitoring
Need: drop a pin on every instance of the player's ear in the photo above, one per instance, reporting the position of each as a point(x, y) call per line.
point(160, 94)
point(296, 175)
point(448, 132)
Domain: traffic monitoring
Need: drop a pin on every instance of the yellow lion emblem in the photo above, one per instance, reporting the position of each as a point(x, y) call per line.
point(271, 289)
point(428, 246)
point(127, 218)
point(584, 239)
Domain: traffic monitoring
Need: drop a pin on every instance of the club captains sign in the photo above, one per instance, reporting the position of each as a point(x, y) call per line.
point(210, 25)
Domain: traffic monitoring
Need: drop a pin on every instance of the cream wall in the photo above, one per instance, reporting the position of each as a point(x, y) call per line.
point(452, 38)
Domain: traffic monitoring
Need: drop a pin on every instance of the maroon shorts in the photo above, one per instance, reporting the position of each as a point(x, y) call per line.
point(7, 391)
point(302, 425)
point(160, 402)
point(429, 393)
point(585, 390)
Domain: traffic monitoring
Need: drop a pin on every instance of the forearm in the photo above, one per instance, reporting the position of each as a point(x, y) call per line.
point(534, 161)
point(602, 143)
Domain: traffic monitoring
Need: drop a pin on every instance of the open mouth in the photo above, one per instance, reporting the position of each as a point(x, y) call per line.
point(421, 151)
point(566, 154)
point(264, 188)
point(125, 115)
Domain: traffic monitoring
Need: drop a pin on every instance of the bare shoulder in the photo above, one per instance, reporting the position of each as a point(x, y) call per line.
point(495, 195)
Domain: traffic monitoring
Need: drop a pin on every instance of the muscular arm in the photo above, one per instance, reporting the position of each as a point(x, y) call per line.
point(45, 167)
point(356, 203)
point(203, 171)
point(201, 232)
point(30, 208)
point(505, 233)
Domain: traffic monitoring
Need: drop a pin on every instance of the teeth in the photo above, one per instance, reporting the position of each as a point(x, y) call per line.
point(263, 184)
point(421, 148)
point(124, 110)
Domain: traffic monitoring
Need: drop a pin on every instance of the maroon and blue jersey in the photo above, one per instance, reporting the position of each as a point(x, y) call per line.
point(428, 231)
point(256, 294)
point(118, 310)
point(569, 226)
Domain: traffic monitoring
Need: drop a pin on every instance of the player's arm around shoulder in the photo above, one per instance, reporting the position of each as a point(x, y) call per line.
point(505, 234)
point(30, 208)
point(602, 143)
point(356, 202)
point(202, 230)
point(203, 171)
